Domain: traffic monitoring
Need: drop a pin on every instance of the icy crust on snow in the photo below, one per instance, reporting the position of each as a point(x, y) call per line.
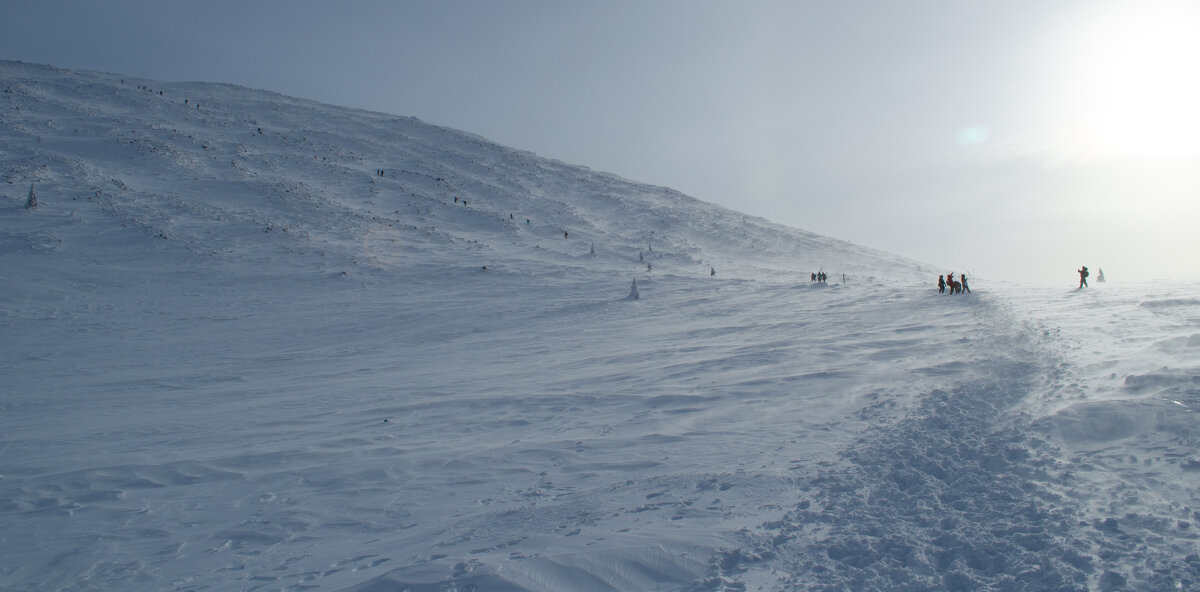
point(244, 360)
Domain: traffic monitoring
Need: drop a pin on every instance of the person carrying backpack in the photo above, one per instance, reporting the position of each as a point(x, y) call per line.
point(1083, 275)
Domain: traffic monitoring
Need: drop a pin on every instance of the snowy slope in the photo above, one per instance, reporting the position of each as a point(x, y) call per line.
point(236, 357)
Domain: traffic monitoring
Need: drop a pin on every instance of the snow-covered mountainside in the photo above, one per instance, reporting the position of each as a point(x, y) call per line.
point(206, 166)
point(257, 343)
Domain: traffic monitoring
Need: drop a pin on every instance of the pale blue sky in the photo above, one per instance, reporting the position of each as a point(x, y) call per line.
point(1018, 139)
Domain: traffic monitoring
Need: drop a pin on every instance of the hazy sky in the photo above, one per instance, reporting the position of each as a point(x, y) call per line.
point(1019, 139)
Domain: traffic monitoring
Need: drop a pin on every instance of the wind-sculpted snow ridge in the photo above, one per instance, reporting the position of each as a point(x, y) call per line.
point(253, 342)
point(1122, 405)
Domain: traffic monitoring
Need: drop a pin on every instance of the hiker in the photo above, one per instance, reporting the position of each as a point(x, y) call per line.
point(965, 287)
point(941, 284)
point(1083, 275)
point(814, 277)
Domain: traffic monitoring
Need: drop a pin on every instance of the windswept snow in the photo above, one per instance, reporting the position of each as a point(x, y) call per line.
point(236, 356)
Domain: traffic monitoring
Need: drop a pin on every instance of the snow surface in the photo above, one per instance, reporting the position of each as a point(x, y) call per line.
point(235, 357)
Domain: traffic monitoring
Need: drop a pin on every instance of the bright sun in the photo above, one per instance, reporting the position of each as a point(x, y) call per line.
point(1129, 83)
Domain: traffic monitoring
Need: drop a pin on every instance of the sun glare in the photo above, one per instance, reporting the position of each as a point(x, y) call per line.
point(1128, 86)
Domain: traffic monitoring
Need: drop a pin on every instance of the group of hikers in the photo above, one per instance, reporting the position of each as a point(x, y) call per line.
point(958, 286)
point(819, 277)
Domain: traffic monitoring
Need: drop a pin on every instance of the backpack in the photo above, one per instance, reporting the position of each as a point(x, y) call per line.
point(1085, 272)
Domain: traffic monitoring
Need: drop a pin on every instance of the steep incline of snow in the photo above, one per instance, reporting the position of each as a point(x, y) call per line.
point(244, 360)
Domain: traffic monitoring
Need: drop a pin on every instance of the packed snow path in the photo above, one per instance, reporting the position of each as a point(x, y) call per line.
point(235, 358)
point(1065, 460)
